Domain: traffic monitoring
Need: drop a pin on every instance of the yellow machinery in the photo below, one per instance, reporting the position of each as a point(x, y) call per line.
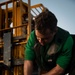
point(16, 23)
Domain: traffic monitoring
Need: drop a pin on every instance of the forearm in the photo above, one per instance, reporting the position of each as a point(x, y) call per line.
point(55, 71)
point(28, 67)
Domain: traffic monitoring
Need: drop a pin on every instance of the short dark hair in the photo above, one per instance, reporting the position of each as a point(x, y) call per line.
point(45, 20)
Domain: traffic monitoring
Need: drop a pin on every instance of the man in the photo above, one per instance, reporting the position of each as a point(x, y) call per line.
point(48, 45)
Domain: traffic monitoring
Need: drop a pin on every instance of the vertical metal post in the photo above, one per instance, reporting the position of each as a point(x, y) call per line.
point(6, 26)
point(29, 17)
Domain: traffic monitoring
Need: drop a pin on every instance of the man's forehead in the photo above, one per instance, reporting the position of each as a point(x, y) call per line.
point(46, 34)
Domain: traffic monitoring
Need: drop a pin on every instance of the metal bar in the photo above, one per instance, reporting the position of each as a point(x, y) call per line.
point(13, 27)
point(6, 18)
point(33, 12)
point(37, 10)
point(29, 18)
point(3, 3)
point(37, 5)
point(0, 17)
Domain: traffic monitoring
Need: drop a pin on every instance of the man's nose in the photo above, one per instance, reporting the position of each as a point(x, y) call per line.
point(41, 40)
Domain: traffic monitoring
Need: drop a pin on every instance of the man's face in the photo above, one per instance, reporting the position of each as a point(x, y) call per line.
point(44, 39)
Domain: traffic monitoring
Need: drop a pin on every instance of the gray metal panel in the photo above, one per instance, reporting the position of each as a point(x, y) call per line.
point(7, 48)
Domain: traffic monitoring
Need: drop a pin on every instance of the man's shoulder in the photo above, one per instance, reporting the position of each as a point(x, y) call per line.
point(62, 35)
point(63, 31)
point(33, 32)
point(32, 35)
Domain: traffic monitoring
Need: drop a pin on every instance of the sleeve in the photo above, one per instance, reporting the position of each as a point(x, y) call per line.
point(64, 58)
point(29, 51)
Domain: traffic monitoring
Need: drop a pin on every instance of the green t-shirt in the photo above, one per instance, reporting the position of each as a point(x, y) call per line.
point(61, 46)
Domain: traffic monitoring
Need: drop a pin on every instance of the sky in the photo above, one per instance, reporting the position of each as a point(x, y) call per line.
point(64, 10)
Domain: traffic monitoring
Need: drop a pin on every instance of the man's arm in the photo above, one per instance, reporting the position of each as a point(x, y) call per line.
point(55, 71)
point(28, 67)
